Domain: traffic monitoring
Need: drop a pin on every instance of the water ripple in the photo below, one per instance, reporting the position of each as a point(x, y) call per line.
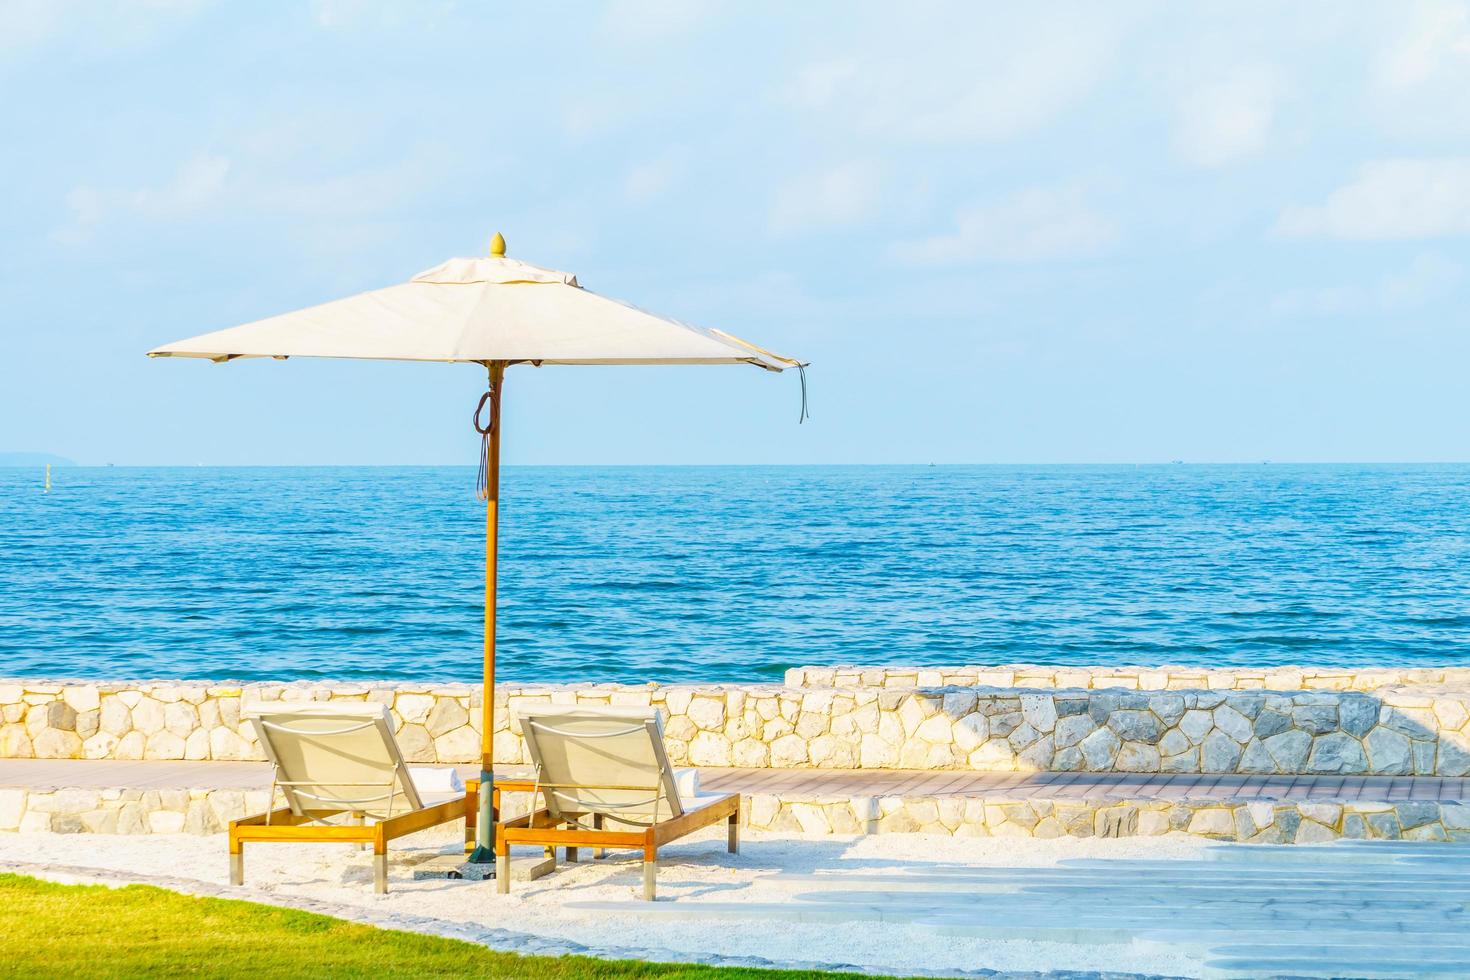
point(729, 573)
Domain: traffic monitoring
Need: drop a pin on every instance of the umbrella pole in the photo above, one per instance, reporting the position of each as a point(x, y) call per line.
point(484, 852)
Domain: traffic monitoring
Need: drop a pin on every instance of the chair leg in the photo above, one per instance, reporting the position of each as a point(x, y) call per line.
point(380, 873)
point(356, 820)
point(502, 873)
point(571, 855)
point(650, 871)
point(237, 865)
point(598, 853)
point(732, 834)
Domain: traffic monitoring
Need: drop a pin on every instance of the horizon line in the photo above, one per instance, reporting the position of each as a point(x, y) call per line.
point(1010, 463)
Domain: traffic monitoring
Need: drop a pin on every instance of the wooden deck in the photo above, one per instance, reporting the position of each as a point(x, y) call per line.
point(42, 774)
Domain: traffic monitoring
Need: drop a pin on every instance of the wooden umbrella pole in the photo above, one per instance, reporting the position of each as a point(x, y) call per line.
point(484, 852)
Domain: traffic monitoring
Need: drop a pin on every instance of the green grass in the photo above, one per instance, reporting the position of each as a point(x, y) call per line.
point(79, 931)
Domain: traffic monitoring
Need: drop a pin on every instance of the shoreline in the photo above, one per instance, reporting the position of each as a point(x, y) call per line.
point(1131, 676)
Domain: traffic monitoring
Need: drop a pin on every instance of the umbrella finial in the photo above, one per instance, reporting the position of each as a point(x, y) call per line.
point(497, 245)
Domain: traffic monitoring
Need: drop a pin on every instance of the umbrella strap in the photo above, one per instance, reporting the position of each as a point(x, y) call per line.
point(805, 414)
point(482, 485)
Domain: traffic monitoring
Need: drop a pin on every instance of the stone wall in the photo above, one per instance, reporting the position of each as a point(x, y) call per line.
point(172, 811)
point(1166, 678)
point(1390, 730)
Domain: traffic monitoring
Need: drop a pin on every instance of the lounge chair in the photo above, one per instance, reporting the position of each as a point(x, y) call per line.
point(340, 762)
point(608, 766)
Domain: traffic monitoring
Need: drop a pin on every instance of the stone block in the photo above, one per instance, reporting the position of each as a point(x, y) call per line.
point(1214, 821)
point(1389, 752)
point(130, 746)
point(1255, 758)
point(1196, 723)
point(12, 806)
point(1136, 726)
point(1416, 813)
point(1357, 714)
point(414, 708)
point(1187, 761)
point(416, 745)
point(1336, 753)
point(1312, 832)
point(36, 822)
point(1315, 719)
point(1383, 826)
point(1289, 750)
point(707, 713)
point(1169, 708)
point(1100, 749)
point(180, 718)
point(163, 745)
point(166, 822)
point(1039, 711)
point(1232, 723)
point(147, 716)
point(1424, 756)
point(82, 698)
point(1454, 757)
point(1073, 729)
point(445, 716)
point(1326, 814)
point(788, 751)
point(1137, 757)
point(1270, 723)
point(57, 743)
point(458, 745)
point(1219, 753)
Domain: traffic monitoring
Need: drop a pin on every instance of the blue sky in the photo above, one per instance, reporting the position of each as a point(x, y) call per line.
point(1001, 232)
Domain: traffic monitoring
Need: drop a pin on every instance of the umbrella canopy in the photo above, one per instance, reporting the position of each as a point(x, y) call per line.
point(496, 312)
point(479, 310)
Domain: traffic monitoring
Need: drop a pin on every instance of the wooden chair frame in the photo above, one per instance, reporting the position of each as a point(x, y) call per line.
point(283, 826)
point(540, 828)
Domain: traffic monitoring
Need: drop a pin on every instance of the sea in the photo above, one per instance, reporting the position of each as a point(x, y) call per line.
point(730, 573)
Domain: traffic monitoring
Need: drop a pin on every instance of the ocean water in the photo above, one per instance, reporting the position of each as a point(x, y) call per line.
point(728, 573)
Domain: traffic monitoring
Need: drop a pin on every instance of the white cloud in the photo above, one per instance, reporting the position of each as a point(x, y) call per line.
point(655, 20)
point(26, 25)
point(196, 184)
point(218, 186)
point(986, 73)
point(1035, 224)
point(1427, 278)
point(840, 196)
point(649, 180)
point(819, 85)
point(1420, 77)
point(1390, 199)
point(349, 14)
point(1228, 119)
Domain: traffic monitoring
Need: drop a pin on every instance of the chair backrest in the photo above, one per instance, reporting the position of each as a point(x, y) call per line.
point(607, 761)
point(335, 757)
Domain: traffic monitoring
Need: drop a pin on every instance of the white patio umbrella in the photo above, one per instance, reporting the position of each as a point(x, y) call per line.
point(495, 312)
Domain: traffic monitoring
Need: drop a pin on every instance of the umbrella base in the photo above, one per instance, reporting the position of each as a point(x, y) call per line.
point(470, 871)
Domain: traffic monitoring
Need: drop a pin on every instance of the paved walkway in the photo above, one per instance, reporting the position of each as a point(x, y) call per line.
point(40, 774)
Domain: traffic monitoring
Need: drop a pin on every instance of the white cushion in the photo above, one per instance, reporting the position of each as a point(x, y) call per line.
point(686, 781)
point(435, 782)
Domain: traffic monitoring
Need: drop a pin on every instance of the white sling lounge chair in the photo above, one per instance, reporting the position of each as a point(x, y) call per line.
point(607, 766)
point(340, 762)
